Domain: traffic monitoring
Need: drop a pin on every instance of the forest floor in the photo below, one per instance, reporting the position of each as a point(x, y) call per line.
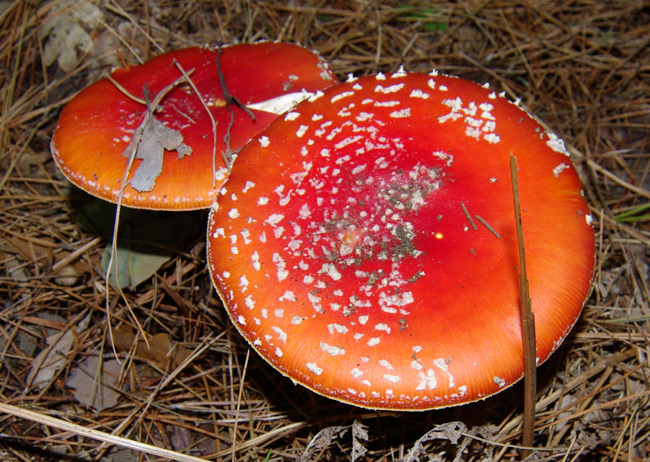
point(583, 68)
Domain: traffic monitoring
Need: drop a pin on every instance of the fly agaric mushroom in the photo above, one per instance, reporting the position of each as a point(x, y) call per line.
point(375, 260)
point(174, 163)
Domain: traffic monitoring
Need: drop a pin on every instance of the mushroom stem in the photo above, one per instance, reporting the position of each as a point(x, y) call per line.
point(527, 323)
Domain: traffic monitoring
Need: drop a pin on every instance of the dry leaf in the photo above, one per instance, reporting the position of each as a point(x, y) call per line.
point(451, 431)
point(151, 145)
point(147, 239)
point(157, 351)
point(133, 264)
point(51, 359)
point(359, 439)
point(99, 393)
point(67, 33)
point(321, 440)
point(122, 338)
point(328, 435)
point(160, 352)
point(181, 438)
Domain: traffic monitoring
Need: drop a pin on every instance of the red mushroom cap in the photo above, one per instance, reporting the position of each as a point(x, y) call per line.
point(375, 261)
point(96, 127)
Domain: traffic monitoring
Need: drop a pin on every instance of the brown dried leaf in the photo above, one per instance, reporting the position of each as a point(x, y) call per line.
point(48, 362)
point(161, 351)
point(99, 394)
point(122, 338)
point(156, 352)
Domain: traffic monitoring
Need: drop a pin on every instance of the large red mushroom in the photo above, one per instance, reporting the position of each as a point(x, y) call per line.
point(181, 158)
point(374, 258)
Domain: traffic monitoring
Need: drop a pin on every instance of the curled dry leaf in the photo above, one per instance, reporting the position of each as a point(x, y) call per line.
point(328, 436)
point(94, 387)
point(161, 351)
point(67, 33)
point(452, 431)
point(49, 361)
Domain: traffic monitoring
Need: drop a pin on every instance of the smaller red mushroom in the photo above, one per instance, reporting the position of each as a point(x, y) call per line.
point(375, 261)
point(178, 166)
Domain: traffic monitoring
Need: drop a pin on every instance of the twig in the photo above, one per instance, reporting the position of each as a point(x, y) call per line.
point(487, 225)
point(527, 323)
point(76, 254)
point(241, 391)
point(137, 136)
point(126, 92)
point(212, 121)
point(635, 189)
point(95, 434)
point(230, 100)
point(469, 217)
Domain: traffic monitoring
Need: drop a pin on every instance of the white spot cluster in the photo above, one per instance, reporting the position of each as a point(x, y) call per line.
point(556, 144)
point(314, 368)
point(428, 380)
point(332, 349)
point(559, 169)
point(390, 88)
point(479, 121)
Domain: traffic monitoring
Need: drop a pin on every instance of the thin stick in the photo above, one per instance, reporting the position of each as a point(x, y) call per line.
point(212, 121)
point(126, 92)
point(241, 391)
point(230, 101)
point(137, 136)
point(487, 225)
point(527, 324)
point(469, 217)
point(76, 254)
point(95, 434)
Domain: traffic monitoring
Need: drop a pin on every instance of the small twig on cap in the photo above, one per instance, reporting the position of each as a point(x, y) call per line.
point(126, 92)
point(469, 217)
point(527, 324)
point(230, 100)
point(212, 121)
point(487, 225)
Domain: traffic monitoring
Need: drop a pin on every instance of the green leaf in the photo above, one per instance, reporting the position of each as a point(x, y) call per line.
point(146, 239)
point(132, 265)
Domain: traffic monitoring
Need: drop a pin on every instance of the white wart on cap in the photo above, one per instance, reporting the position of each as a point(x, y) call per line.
point(365, 245)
